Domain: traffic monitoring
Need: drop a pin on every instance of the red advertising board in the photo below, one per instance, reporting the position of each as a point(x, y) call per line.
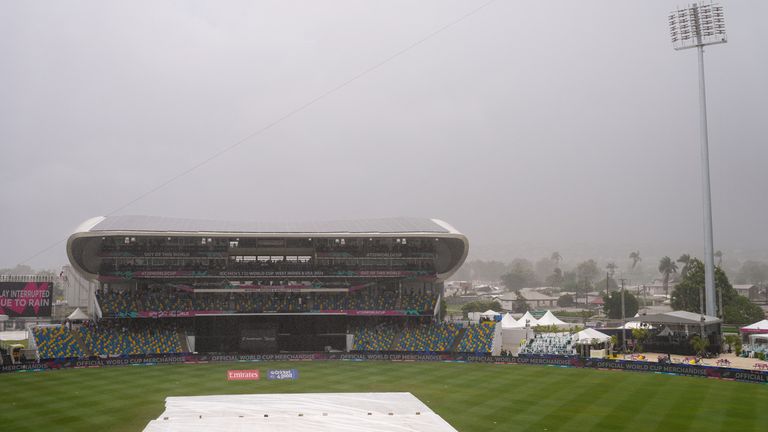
point(243, 375)
point(26, 299)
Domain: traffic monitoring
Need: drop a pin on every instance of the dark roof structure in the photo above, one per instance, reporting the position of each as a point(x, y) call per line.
point(677, 317)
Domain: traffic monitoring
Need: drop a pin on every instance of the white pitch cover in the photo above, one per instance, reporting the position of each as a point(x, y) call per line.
point(376, 412)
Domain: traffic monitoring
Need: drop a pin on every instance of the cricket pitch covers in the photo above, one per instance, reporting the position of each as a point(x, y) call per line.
point(299, 412)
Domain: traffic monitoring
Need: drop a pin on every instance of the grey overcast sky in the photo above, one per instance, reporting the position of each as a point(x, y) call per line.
point(530, 126)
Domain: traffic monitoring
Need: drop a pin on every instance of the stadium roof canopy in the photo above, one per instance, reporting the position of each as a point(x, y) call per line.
point(399, 225)
point(83, 245)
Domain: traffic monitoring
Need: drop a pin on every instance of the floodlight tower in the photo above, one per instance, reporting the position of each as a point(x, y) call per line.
point(695, 27)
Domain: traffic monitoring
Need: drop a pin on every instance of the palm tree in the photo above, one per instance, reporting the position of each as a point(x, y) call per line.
point(611, 267)
point(635, 257)
point(667, 267)
point(556, 257)
point(684, 259)
point(699, 344)
point(719, 255)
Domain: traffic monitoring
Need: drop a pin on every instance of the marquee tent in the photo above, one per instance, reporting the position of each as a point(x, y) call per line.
point(588, 335)
point(508, 322)
point(758, 327)
point(550, 319)
point(78, 315)
point(528, 317)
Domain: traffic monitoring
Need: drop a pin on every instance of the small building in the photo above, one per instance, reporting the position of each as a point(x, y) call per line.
point(749, 291)
point(656, 288)
point(534, 299)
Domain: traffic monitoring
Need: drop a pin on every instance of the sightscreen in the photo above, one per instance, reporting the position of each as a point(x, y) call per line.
point(26, 299)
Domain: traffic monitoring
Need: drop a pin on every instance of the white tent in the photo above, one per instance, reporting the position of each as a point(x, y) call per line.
point(758, 327)
point(527, 317)
point(550, 319)
point(490, 313)
point(78, 315)
point(508, 322)
point(588, 335)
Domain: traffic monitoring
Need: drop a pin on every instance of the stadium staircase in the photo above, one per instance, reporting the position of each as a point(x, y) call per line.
point(183, 341)
point(396, 340)
point(457, 340)
point(81, 343)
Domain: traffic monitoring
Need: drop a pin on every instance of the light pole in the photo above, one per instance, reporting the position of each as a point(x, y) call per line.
point(623, 317)
point(695, 27)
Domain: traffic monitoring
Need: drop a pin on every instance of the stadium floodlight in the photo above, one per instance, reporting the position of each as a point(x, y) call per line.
point(696, 27)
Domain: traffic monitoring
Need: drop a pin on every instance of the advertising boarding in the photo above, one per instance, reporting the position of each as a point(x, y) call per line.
point(26, 299)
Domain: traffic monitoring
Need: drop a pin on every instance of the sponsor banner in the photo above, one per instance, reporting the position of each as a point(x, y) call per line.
point(243, 375)
point(383, 312)
point(283, 374)
point(259, 357)
point(189, 314)
point(167, 314)
point(382, 273)
point(354, 312)
point(161, 274)
point(26, 299)
point(150, 274)
point(159, 254)
point(392, 357)
point(260, 288)
point(743, 375)
point(271, 273)
point(176, 314)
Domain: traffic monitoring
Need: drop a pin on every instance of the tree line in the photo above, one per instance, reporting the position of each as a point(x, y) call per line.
point(686, 271)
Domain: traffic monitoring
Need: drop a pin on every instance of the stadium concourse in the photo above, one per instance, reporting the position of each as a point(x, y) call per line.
point(168, 286)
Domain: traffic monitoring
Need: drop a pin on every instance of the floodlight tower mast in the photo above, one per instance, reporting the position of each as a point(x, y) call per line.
point(695, 27)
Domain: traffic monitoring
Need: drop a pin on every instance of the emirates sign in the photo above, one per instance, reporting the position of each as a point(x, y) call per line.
point(243, 375)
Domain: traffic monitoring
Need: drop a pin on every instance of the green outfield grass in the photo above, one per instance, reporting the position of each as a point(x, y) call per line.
point(471, 397)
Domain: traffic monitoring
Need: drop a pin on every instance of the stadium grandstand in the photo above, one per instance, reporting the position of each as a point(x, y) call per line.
point(167, 285)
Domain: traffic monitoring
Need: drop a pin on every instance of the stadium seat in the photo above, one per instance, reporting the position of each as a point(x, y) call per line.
point(56, 342)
